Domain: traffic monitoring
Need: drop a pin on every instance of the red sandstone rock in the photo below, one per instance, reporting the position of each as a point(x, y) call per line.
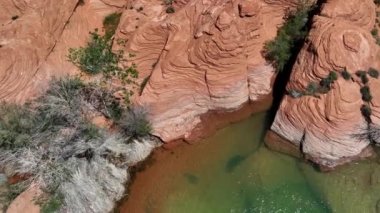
point(204, 57)
point(34, 46)
point(26, 201)
point(324, 127)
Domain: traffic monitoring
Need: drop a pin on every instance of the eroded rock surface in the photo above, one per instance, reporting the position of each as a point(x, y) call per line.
point(204, 57)
point(34, 40)
point(326, 128)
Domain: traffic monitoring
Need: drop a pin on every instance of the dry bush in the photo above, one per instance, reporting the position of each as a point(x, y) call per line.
point(66, 156)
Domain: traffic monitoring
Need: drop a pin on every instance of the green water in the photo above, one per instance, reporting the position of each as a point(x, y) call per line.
point(233, 171)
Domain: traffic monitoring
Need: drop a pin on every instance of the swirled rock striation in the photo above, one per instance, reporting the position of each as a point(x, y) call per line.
point(326, 127)
point(207, 56)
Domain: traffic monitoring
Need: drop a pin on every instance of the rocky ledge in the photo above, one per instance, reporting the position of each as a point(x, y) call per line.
point(334, 126)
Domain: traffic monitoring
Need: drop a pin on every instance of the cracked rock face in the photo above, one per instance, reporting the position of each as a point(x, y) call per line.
point(34, 40)
point(325, 128)
point(204, 57)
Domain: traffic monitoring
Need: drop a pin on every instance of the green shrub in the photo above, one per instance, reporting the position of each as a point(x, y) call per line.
point(89, 131)
point(346, 75)
point(326, 83)
point(364, 79)
point(373, 73)
point(361, 73)
point(17, 123)
point(279, 50)
point(135, 123)
point(333, 76)
point(53, 204)
point(377, 2)
point(312, 88)
point(96, 57)
point(375, 32)
point(170, 9)
point(366, 94)
point(110, 24)
point(15, 17)
point(366, 112)
point(363, 76)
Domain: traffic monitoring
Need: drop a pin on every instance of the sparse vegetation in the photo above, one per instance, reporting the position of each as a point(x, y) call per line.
point(363, 76)
point(135, 123)
point(53, 204)
point(96, 57)
point(13, 191)
point(366, 94)
point(279, 50)
point(375, 32)
point(168, 2)
point(16, 126)
point(346, 75)
point(373, 73)
point(170, 9)
point(366, 112)
point(325, 85)
point(110, 24)
point(59, 122)
point(312, 88)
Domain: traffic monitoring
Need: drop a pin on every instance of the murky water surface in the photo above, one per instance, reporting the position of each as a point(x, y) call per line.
point(232, 171)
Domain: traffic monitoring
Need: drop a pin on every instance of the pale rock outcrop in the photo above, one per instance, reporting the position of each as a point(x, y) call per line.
point(207, 56)
point(326, 128)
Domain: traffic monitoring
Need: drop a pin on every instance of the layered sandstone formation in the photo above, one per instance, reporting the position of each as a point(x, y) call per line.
point(326, 128)
point(207, 56)
point(34, 40)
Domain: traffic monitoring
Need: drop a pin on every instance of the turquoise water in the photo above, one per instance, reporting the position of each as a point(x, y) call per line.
point(233, 171)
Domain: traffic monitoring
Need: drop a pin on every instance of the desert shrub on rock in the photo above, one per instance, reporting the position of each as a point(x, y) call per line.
point(373, 73)
point(135, 122)
point(64, 154)
point(96, 57)
point(279, 50)
point(110, 24)
point(346, 75)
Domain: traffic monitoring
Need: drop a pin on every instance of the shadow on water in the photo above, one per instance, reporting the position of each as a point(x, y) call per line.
point(190, 178)
point(234, 162)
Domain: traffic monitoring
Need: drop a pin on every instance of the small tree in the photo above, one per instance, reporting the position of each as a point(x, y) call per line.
point(346, 75)
point(366, 94)
point(110, 24)
point(96, 57)
point(312, 88)
point(373, 73)
point(366, 112)
point(333, 76)
point(170, 9)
